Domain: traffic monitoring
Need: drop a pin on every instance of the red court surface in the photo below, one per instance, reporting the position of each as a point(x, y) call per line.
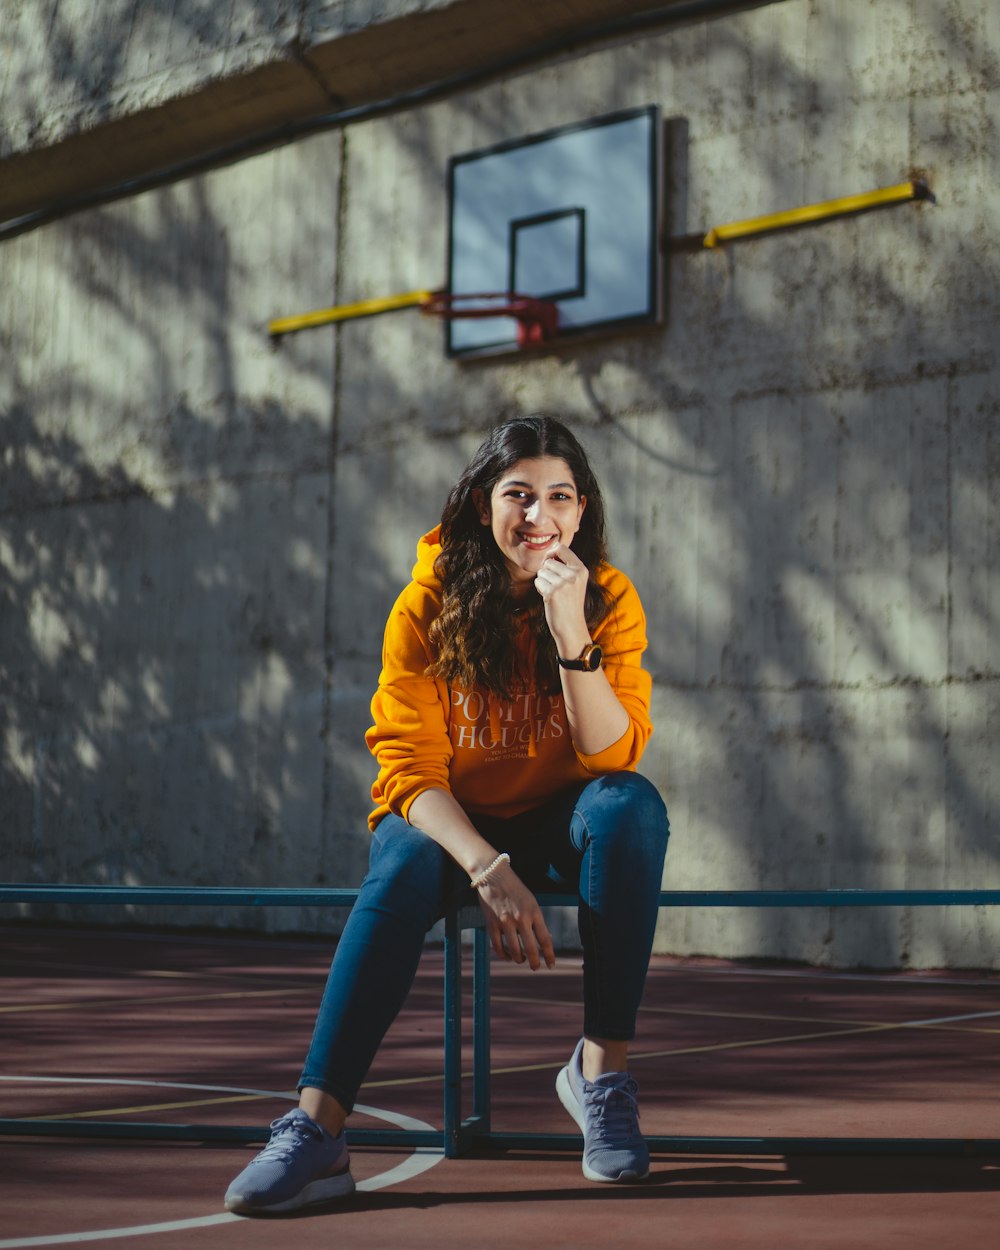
point(190, 1029)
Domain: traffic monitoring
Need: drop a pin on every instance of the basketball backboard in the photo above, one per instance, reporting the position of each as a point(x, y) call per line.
point(570, 216)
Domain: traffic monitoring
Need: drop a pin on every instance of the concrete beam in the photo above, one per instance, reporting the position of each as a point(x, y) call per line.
point(187, 92)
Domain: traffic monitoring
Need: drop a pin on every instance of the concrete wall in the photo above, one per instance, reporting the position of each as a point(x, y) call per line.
point(200, 536)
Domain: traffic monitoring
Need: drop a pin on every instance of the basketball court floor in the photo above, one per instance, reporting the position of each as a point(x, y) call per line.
point(190, 1029)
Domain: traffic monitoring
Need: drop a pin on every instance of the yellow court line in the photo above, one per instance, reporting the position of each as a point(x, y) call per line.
point(301, 979)
point(102, 970)
point(510, 1070)
point(650, 1054)
point(132, 1000)
point(957, 1024)
point(712, 1015)
point(749, 1015)
point(683, 1050)
point(700, 1050)
point(160, 1106)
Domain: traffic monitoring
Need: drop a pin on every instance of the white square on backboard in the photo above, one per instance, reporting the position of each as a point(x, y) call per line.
point(571, 215)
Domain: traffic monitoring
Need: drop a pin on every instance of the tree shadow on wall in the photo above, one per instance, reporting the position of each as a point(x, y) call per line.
point(82, 65)
point(165, 531)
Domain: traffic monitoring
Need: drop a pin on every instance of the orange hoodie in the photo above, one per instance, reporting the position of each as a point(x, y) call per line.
point(498, 757)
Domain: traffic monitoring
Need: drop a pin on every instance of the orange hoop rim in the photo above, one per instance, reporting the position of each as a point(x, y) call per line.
point(450, 305)
point(537, 319)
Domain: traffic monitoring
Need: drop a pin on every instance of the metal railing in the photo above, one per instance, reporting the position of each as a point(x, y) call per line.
point(461, 1135)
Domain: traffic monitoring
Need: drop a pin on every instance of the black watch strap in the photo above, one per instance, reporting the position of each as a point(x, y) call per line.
point(588, 661)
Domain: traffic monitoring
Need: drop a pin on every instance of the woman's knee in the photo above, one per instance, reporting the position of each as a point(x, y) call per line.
point(407, 871)
point(628, 795)
point(625, 804)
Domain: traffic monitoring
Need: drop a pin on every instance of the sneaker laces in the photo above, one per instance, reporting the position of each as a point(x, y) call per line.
point(288, 1135)
point(615, 1108)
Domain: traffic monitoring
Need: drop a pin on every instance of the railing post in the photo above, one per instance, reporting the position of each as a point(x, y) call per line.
point(480, 1031)
point(452, 1035)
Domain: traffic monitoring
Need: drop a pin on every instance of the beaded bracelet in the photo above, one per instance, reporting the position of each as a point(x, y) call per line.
point(484, 876)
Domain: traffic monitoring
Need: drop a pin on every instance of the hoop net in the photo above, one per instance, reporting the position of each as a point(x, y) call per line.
point(537, 319)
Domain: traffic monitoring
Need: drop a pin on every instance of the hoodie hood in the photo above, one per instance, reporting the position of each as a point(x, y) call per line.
point(428, 550)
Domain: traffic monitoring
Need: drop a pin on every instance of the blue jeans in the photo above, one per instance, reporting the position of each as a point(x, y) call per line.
point(606, 840)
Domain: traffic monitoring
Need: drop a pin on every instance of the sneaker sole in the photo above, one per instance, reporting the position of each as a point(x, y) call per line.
point(339, 1186)
point(569, 1100)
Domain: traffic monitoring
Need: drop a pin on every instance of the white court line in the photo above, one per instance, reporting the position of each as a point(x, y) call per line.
point(972, 1015)
point(103, 1234)
point(422, 1160)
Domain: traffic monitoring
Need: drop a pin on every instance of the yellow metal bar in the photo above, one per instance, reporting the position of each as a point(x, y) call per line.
point(347, 312)
point(719, 235)
point(815, 212)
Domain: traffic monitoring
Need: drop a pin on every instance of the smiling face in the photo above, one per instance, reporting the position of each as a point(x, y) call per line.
point(533, 507)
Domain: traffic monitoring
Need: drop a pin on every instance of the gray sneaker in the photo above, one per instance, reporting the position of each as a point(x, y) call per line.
point(608, 1114)
point(300, 1165)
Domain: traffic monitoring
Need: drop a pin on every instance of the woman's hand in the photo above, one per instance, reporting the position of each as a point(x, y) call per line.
point(514, 920)
point(562, 583)
point(597, 718)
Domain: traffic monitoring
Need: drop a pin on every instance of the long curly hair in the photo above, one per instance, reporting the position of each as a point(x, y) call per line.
point(475, 633)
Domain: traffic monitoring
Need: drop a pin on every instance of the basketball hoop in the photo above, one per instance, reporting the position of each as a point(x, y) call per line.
point(537, 319)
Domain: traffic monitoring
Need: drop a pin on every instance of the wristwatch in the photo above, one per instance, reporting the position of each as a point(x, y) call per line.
point(588, 661)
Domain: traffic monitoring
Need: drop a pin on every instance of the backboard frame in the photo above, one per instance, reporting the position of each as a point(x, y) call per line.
point(645, 303)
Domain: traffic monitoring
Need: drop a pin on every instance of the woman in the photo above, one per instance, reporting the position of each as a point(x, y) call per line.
point(510, 715)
